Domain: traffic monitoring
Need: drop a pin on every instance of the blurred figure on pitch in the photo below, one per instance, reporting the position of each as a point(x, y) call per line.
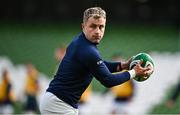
point(59, 54)
point(123, 93)
point(83, 107)
point(175, 94)
point(7, 95)
point(31, 89)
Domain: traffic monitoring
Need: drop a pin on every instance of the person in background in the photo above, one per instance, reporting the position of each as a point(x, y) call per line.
point(7, 95)
point(83, 102)
point(174, 96)
point(31, 89)
point(123, 93)
point(86, 95)
point(59, 54)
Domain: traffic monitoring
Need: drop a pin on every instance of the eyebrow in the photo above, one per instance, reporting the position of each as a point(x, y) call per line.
point(97, 24)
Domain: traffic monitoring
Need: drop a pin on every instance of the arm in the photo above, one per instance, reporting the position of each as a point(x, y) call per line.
point(106, 78)
point(118, 66)
point(113, 66)
point(91, 59)
point(93, 62)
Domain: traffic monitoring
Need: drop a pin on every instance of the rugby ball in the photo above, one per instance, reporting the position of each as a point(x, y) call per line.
point(147, 61)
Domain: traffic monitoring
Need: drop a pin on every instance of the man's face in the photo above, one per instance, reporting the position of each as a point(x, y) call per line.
point(94, 29)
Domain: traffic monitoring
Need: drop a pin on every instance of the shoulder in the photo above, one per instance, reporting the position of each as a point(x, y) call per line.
point(89, 50)
point(83, 45)
point(89, 54)
point(82, 48)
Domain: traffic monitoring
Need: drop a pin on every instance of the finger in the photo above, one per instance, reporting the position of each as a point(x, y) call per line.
point(141, 62)
point(146, 69)
point(150, 69)
point(147, 74)
point(130, 59)
point(150, 72)
point(145, 77)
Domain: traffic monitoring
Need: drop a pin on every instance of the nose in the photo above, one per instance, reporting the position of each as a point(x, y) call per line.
point(97, 31)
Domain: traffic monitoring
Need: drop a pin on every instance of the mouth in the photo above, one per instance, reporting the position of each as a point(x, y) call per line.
point(97, 37)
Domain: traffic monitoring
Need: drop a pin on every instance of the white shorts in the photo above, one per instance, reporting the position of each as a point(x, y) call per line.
point(50, 104)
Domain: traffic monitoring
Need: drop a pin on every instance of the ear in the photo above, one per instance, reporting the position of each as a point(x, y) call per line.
point(82, 26)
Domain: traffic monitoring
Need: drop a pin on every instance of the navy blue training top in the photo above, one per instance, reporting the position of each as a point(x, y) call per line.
point(81, 62)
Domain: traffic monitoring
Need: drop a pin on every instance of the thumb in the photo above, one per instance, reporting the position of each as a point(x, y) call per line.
point(141, 62)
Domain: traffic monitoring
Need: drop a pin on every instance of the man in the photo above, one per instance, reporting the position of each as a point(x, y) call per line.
point(81, 62)
point(7, 94)
point(59, 54)
point(174, 96)
point(31, 89)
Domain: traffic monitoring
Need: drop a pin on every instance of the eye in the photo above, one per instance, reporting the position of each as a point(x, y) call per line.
point(93, 26)
point(101, 27)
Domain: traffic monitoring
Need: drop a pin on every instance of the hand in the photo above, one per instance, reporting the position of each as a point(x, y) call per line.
point(151, 70)
point(125, 65)
point(144, 72)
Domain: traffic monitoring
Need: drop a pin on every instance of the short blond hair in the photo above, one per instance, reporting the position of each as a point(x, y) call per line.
point(95, 12)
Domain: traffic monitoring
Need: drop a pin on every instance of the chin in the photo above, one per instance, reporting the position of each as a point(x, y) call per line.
point(97, 42)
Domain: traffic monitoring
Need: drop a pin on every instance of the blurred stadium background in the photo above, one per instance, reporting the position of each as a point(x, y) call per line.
point(31, 30)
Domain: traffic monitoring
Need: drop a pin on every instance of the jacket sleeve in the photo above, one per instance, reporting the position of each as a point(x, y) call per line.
point(112, 66)
point(98, 68)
